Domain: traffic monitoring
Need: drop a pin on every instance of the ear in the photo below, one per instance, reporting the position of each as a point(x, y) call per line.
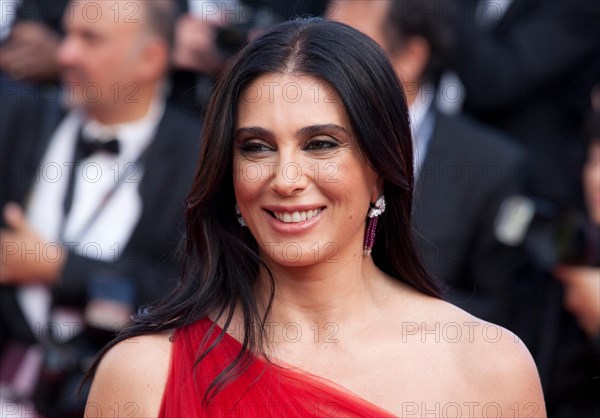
point(153, 60)
point(411, 60)
point(377, 189)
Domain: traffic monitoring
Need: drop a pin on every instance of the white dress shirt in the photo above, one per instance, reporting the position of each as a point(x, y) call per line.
point(95, 177)
point(8, 14)
point(489, 12)
point(421, 124)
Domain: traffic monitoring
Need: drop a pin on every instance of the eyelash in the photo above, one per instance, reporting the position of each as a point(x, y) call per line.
point(325, 145)
point(252, 147)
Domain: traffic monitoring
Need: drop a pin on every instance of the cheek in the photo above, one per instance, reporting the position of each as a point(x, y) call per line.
point(591, 181)
point(591, 177)
point(248, 181)
point(351, 186)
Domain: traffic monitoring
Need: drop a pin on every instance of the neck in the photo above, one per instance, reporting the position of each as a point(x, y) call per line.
point(326, 292)
point(410, 85)
point(412, 94)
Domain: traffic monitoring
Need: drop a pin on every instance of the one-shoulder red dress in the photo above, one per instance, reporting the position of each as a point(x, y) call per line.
point(263, 390)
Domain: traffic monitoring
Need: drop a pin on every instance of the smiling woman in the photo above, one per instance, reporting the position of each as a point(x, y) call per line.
point(302, 294)
point(295, 204)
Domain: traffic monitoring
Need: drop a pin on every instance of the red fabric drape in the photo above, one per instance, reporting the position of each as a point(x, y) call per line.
point(263, 390)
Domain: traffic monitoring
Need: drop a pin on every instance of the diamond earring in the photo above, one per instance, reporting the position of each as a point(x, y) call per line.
point(238, 215)
point(374, 213)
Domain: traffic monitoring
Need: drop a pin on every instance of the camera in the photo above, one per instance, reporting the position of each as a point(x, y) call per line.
point(552, 235)
point(253, 16)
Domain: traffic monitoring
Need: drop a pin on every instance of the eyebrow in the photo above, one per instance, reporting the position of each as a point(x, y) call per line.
point(315, 129)
point(302, 132)
point(254, 131)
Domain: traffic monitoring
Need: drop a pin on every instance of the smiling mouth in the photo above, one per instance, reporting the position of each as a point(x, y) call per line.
point(295, 217)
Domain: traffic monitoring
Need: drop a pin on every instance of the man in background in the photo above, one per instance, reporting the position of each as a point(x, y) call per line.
point(463, 170)
point(92, 198)
point(528, 67)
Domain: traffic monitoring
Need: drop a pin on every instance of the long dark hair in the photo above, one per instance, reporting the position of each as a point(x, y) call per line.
point(221, 264)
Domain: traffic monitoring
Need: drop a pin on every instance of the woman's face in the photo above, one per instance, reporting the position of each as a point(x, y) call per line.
point(591, 181)
point(301, 184)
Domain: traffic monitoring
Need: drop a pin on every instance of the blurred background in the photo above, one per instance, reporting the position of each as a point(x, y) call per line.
point(504, 98)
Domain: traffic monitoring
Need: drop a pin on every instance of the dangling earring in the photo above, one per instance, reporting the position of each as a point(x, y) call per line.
point(374, 213)
point(238, 215)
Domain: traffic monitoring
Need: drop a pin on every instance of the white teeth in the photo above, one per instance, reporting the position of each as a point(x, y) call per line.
point(295, 217)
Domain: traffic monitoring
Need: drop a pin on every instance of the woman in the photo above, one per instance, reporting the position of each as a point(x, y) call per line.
point(302, 294)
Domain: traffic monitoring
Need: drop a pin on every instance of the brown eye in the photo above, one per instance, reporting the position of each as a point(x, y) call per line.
point(320, 145)
point(253, 147)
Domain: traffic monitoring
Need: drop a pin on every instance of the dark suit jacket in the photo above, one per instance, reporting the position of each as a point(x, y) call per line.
point(26, 125)
point(467, 172)
point(531, 75)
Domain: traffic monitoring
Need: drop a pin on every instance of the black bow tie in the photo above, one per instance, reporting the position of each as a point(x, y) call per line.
point(91, 147)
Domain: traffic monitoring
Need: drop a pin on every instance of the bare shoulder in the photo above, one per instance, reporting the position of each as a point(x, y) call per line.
point(496, 360)
point(131, 377)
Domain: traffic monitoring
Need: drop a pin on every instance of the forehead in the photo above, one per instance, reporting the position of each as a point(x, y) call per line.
point(290, 101)
point(103, 16)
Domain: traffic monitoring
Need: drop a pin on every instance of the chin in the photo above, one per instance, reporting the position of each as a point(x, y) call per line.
point(304, 262)
point(301, 254)
point(72, 99)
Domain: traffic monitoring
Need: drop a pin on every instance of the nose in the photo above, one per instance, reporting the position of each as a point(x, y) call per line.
point(289, 175)
point(68, 52)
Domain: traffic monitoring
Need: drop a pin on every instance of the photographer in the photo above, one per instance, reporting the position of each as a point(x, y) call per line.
point(570, 323)
point(560, 311)
point(207, 33)
point(582, 283)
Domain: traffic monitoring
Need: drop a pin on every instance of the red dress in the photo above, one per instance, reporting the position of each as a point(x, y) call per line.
point(263, 390)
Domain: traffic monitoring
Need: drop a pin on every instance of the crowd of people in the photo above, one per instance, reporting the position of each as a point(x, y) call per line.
point(380, 211)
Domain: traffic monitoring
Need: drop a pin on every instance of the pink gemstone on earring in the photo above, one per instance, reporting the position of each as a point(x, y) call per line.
point(374, 213)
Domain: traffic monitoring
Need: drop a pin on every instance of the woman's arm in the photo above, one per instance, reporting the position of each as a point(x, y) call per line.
point(131, 378)
point(509, 377)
